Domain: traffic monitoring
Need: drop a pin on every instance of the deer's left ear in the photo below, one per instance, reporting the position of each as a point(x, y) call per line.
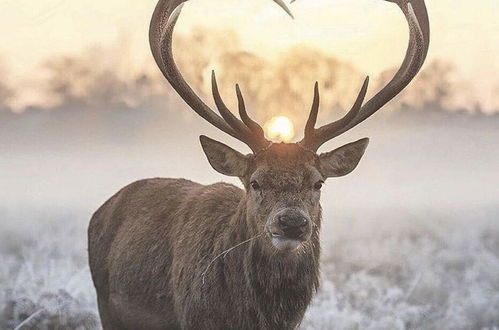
point(343, 160)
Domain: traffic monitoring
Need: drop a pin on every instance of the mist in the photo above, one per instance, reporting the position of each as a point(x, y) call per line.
point(410, 238)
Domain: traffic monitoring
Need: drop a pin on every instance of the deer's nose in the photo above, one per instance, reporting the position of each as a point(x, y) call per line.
point(293, 224)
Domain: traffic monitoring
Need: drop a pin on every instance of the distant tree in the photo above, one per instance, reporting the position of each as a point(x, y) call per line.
point(297, 71)
point(495, 99)
point(196, 54)
point(251, 72)
point(6, 95)
point(88, 80)
point(433, 89)
point(67, 79)
point(6, 92)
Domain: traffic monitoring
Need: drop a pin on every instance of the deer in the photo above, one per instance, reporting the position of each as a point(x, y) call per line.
point(174, 254)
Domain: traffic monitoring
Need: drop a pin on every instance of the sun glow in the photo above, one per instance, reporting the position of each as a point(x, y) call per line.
point(280, 128)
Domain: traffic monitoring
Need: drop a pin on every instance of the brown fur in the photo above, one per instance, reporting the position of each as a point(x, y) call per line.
point(152, 243)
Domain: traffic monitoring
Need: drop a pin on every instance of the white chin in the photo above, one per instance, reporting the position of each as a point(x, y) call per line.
point(285, 244)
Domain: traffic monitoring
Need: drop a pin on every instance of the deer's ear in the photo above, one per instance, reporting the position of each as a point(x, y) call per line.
point(224, 159)
point(343, 160)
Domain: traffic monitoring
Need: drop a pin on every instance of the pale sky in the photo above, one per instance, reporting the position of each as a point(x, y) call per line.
point(371, 34)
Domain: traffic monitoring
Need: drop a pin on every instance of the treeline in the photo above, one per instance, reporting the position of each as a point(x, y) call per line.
point(102, 80)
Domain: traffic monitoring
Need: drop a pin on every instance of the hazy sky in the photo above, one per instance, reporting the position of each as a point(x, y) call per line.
point(369, 33)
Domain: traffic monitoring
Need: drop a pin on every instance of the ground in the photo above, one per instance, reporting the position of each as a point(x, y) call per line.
point(418, 271)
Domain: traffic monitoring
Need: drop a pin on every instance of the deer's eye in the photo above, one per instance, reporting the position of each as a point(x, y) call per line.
point(318, 185)
point(255, 185)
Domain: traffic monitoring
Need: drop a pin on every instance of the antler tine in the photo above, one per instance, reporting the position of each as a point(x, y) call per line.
point(250, 123)
point(161, 31)
point(281, 4)
point(227, 115)
point(314, 111)
point(417, 18)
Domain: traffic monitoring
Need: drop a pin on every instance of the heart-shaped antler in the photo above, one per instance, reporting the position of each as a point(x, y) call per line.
point(248, 131)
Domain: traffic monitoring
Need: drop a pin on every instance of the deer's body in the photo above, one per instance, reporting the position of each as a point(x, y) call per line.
point(180, 227)
point(170, 254)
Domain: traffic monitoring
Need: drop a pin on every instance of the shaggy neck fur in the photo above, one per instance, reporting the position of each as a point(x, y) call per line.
point(280, 285)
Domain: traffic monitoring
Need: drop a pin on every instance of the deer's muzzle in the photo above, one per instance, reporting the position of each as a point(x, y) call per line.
point(289, 228)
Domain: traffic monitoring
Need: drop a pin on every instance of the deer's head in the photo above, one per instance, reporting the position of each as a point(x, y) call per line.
point(283, 180)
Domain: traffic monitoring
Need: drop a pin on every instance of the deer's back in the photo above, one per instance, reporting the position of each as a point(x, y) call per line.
point(141, 235)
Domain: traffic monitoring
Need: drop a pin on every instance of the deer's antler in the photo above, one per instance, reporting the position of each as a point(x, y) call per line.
point(160, 37)
point(248, 131)
point(419, 30)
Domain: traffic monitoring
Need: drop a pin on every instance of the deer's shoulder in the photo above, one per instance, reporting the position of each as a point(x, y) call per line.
point(218, 194)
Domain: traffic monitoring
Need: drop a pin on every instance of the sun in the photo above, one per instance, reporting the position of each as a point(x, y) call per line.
point(280, 128)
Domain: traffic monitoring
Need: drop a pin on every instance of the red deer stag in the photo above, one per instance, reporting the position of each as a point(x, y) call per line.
point(175, 254)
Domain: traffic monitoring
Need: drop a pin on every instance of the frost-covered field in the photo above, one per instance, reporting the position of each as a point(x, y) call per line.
point(418, 270)
point(45, 280)
point(411, 272)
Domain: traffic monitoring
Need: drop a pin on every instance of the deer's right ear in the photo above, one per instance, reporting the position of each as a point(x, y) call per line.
point(224, 159)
